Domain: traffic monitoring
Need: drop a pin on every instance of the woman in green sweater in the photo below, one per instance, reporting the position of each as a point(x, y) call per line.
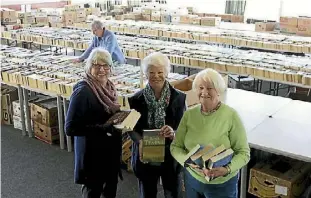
point(211, 122)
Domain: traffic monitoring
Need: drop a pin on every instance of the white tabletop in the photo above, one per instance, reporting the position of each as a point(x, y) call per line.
point(297, 111)
point(255, 102)
point(251, 120)
point(283, 137)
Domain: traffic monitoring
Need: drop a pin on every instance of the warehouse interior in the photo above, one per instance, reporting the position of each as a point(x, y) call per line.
point(261, 48)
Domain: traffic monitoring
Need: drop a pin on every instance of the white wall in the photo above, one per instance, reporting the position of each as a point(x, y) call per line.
point(296, 8)
point(23, 2)
point(207, 6)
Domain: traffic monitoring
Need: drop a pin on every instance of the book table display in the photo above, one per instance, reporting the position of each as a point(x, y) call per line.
point(251, 39)
point(286, 69)
point(55, 75)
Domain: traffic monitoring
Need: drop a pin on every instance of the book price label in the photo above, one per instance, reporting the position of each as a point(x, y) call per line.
point(281, 190)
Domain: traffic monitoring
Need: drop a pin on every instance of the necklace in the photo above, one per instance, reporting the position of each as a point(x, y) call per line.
point(211, 111)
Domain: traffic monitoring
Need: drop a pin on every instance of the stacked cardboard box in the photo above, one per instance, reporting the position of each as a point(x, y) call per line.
point(289, 25)
point(8, 94)
point(45, 120)
point(279, 178)
point(156, 16)
point(210, 21)
point(74, 14)
point(92, 11)
point(17, 111)
point(8, 16)
point(264, 27)
point(304, 26)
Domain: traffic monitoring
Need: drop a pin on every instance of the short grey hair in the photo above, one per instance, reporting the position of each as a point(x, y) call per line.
point(214, 77)
point(98, 56)
point(97, 25)
point(156, 59)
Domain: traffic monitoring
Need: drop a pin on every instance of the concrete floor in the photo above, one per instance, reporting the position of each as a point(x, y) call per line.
point(33, 169)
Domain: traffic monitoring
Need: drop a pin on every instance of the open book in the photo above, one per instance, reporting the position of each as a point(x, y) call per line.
point(153, 148)
point(124, 119)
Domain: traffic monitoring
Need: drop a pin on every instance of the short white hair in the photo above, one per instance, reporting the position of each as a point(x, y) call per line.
point(156, 59)
point(98, 56)
point(215, 78)
point(97, 25)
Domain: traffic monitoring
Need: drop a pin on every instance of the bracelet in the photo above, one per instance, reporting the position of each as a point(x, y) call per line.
point(228, 170)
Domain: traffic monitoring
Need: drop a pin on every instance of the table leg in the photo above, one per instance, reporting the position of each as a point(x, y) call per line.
point(68, 138)
point(243, 186)
point(60, 122)
point(21, 104)
point(27, 113)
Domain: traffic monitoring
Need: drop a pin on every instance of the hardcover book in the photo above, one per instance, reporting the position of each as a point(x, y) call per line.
point(124, 119)
point(153, 148)
point(212, 153)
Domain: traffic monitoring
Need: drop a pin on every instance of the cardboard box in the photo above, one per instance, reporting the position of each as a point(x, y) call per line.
point(210, 21)
point(185, 86)
point(17, 108)
point(237, 18)
point(146, 17)
point(196, 21)
point(22, 15)
point(41, 14)
point(304, 30)
point(289, 21)
point(225, 17)
point(46, 134)
point(45, 112)
point(8, 15)
point(80, 13)
point(41, 20)
point(288, 29)
point(264, 27)
point(70, 15)
point(156, 13)
point(166, 18)
point(185, 19)
point(305, 22)
point(17, 123)
point(280, 178)
point(146, 11)
point(56, 19)
point(8, 94)
point(120, 17)
point(156, 18)
point(28, 20)
point(71, 7)
point(96, 11)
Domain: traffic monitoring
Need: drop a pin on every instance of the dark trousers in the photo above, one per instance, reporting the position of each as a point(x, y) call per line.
point(172, 183)
point(106, 190)
point(196, 189)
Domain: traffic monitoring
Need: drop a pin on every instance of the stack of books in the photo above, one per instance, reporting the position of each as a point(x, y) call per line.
point(208, 157)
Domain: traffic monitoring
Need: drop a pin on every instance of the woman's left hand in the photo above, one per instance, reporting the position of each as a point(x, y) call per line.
point(167, 132)
point(215, 172)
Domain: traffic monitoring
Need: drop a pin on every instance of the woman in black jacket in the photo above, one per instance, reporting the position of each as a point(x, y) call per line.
point(161, 107)
point(98, 146)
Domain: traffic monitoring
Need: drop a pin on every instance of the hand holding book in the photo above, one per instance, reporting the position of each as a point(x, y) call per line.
point(167, 132)
point(215, 172)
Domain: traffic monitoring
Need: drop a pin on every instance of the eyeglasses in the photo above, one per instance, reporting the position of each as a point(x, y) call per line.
point(98, 66)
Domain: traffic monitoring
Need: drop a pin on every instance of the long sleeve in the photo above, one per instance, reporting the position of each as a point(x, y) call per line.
point(177, 148)
point(77, 112)
point(111, 43)
point(87, 52)
point(239, 144)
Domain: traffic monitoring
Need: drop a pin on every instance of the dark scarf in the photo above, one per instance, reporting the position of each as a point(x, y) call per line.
point(157, 108)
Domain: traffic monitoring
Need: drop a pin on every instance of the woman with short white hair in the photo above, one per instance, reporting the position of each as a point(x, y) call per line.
point(161, 107)
point(211, 122)
point(98, 146)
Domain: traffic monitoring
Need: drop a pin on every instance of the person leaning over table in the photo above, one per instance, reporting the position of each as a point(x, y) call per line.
point(106, 39)
point(213, 122)
point(161, 107)
point(98, 146)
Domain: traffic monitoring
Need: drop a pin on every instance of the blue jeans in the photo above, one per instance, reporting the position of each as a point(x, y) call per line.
point(197, 189)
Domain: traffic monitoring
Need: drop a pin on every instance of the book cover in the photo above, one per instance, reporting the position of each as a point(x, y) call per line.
point(153, 148)
point(197, 157)
point(187, 159)
point(212, 153)
point(220, 160)
point(124, 119)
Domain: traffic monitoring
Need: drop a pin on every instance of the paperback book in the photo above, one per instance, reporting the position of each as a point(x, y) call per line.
point(124, 119)
point(153, 146)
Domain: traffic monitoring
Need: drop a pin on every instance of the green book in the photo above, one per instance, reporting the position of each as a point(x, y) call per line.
point(153, 148)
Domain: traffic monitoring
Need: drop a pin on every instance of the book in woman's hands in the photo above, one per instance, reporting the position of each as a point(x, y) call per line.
point(124, 119)
point(153, 146)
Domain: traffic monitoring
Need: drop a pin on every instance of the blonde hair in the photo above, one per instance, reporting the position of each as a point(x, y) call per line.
point(215, 78)
point(156, 59)
point(98, 56)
